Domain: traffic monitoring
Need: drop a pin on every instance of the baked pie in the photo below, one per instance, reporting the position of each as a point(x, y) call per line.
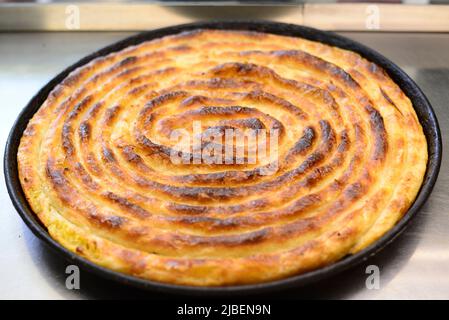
point(122, 162)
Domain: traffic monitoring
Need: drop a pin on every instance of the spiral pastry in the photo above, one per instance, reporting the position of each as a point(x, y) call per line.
point(96, 161)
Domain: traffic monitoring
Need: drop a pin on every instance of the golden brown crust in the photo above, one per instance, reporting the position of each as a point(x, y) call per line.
point(95, 165)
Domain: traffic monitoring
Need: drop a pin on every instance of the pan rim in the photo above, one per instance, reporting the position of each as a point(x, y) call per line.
point(420, 103)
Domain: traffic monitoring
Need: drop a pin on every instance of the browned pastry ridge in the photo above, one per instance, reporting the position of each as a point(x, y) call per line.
point(95, 164)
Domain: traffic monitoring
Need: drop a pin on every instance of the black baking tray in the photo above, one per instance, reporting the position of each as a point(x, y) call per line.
point(422, 107)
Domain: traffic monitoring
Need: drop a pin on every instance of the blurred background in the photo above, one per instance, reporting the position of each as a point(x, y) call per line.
point(245, 1)
point(242, 1)
point(337, 15)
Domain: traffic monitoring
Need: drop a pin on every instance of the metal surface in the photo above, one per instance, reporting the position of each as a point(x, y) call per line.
point(418, 259)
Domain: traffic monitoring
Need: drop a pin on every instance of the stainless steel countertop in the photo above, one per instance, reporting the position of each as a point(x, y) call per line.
point(415, 266)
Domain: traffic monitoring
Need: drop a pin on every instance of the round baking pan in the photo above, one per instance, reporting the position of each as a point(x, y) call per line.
point(422, 107)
